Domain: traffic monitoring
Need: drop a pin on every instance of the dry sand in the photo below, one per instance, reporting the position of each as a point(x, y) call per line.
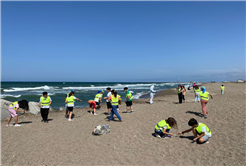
point(131, 142)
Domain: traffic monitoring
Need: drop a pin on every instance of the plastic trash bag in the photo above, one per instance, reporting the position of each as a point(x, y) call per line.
point(101, 129)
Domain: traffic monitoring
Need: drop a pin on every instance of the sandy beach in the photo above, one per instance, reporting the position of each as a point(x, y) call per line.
point(131, 142)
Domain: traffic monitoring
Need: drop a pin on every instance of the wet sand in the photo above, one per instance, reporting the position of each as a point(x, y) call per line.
point(131, 142)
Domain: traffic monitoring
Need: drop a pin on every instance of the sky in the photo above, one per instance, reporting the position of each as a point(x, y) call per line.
point(122, 41)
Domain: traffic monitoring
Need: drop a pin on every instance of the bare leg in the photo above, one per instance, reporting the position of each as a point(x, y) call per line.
point(9, 120)
point(70, 114)
point(94, 110)
point(16, 120)
point(126, 109)
point(131, 108)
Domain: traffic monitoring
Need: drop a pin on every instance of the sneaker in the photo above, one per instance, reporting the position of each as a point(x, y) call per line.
point(70, 119)
point(205, 117)
point(66, 116)
point(207, 142)
point(91, 112)
point(16, 125)
point(132, 112)
point(9, 125)
point(167, 136)
point(158, 136)
point(95, 114)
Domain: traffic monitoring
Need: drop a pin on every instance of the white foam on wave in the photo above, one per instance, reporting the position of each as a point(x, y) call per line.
point(8, 95)
point(29, 88)
point(138, 95)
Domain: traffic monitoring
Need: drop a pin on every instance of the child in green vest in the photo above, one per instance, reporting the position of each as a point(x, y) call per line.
point(222, 89)
point(198, 129)
point(162, 128)
point(129, 98)
point(97, 99)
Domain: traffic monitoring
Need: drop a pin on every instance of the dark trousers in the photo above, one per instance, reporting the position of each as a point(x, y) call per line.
point(44, 113)
point(180, 97)
point(183, 97)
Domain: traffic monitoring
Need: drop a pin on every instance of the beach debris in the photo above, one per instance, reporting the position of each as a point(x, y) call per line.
point(101, 129)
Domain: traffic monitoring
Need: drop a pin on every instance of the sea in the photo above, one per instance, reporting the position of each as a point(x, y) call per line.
point(32, 91)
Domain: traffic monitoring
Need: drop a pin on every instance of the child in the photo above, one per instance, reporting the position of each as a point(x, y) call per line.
point(97, 99)
point(179, 94)
point(129, 98)
point(197, 90)
point(14, 107)
point(66, 108)
point(222, 89)
point(109, 106)
point(92, 104)
point(44, 103)
point(116, 100)
point(183, 93)
point(163, 127)
point(198, 129)
point(70, 104)
point(204, 100)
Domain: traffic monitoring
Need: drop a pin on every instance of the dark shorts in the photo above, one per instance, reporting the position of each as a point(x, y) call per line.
point(70, 109)
point(128, 103)
point(97, 103)
point(109, 105)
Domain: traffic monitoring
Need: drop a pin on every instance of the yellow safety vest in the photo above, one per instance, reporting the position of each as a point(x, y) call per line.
point(115, 100)
point(204, 96)
point(97, 97)
point(197, 90)
point(70, 100)
point(199, 129)
point(45, 101)
point(13, 104)
point(222, 87)
point(178, 90)
point(161, 125)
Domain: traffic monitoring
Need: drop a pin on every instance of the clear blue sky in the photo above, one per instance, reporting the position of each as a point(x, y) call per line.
point(123, 41)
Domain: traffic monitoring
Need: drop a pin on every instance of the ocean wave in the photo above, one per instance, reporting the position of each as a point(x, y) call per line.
point(8, 95)
point(29, 88)
point(138, 95)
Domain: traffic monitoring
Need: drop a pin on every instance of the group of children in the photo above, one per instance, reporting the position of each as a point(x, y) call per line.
point(200, 130)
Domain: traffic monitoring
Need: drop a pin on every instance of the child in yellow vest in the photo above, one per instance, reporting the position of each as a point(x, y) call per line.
point(222, 89)
point(198, 129)
point(162, 128)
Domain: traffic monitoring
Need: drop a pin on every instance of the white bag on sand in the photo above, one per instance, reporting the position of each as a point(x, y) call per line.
point(101, 129)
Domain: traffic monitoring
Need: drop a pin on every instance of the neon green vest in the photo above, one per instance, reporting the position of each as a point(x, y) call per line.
point(161, 124)
point(70, 100)
point(45, 101)
point(97, 97)
point(197, 90)
point(13, 104)
point(115, 100)
point(130, 96)
point(204, 96)
point(178, 90)
point(222, 87)
point(199, 129)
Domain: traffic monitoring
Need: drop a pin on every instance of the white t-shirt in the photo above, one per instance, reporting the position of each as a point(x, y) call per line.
point(72, 105)
point(108, 95)
point(45, 106)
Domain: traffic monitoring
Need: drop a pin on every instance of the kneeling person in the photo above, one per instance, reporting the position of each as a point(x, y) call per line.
point(163, 127)
point(198, 129)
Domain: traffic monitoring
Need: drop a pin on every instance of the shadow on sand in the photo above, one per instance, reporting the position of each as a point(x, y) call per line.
point(195, 113)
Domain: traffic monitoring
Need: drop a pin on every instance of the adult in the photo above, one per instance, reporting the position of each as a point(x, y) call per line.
point(183, 93)
point(152, 93)
point(179, 94)
point(70, 104)
point(204, 95)
point(115, 102)
point(198, 129)
point(44, 104)
point(222, 89)
point(129, 98)
point(13, 108)
point(109, 106)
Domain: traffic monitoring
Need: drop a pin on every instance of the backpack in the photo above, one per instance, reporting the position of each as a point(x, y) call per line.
point(101, 129)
